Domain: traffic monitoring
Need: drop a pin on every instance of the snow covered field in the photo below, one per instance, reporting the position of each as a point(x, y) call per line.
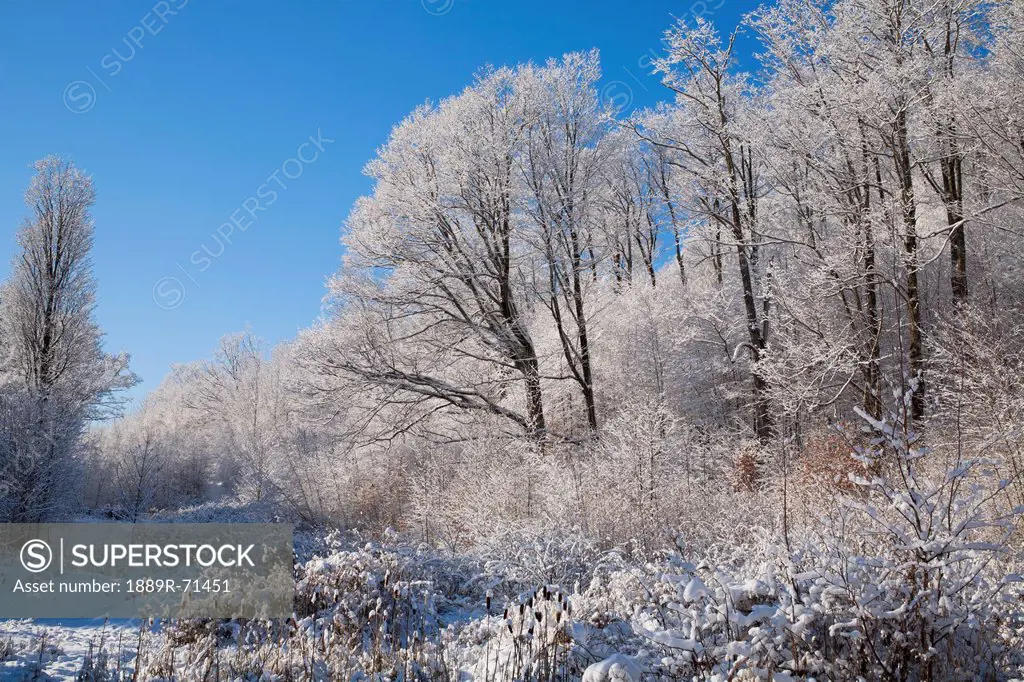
point(47, 649)
point(544, 609)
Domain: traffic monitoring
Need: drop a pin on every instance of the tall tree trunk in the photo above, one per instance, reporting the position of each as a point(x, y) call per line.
point(525, 356)
point(872, 374)
point(764, 424)
point(915, 346)
point(872, 369)
point(675, 224)
point(952, 178)
point(581, 329)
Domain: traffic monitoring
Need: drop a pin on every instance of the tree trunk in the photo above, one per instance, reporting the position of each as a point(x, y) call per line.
point(915, 346)
point(581, 327)
point(764, 425)
point(952, 185)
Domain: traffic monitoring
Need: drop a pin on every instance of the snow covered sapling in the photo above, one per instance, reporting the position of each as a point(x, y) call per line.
point(917, 584)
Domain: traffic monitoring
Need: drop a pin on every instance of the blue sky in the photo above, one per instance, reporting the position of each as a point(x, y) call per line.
point(184, 109)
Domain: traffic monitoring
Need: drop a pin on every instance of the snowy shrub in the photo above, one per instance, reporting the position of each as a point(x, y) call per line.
point(533, 640)
point(358, 611)
point(477, 492)
point(225, 511)
point(915, 575)
point(627, 484)
point(515, 562)
point(746, 472)
point(96, 668)
point(908, 579)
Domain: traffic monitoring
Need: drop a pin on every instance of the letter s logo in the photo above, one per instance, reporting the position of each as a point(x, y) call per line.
point(36, 556)
point(79, 97)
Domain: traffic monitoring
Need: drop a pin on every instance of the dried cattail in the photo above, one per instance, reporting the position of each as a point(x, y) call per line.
point(504, 614)
point(522, 609)
point(509, 626)
point(558, 617)
point(539, 615)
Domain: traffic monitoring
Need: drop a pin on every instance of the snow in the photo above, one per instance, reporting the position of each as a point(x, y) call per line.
point(616, 668)
point(695, 590)
point(51, 649)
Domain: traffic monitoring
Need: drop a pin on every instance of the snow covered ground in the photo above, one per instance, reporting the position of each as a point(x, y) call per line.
point(51, 649)
point(399, 611)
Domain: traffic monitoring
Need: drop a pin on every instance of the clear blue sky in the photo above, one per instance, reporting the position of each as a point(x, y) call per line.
point(181, 117)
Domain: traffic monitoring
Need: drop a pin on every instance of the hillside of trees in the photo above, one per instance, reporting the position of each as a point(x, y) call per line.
point(732, 385)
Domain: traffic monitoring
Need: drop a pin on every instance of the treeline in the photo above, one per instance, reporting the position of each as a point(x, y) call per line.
point(550, 312)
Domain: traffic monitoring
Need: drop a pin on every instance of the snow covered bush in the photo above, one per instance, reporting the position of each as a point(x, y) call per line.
point(917, 575)
point(626, 492)
point(909, 577)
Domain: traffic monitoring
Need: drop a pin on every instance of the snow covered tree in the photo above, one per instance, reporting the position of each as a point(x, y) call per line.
point(436, 267)
point(238, 393)
point(724, 168)
point(56, 373)
point(562, 166)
